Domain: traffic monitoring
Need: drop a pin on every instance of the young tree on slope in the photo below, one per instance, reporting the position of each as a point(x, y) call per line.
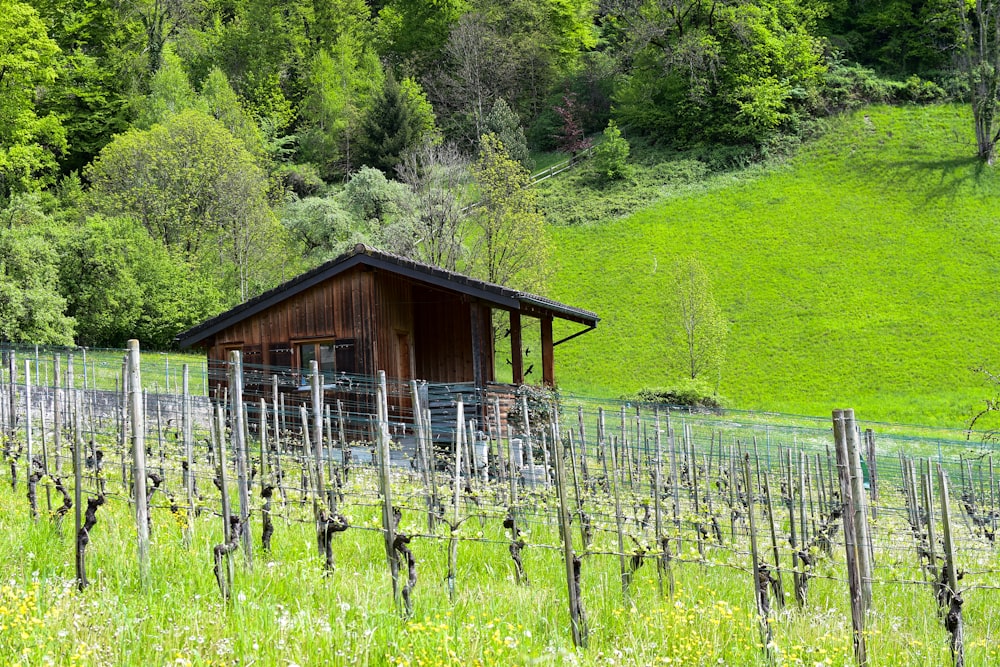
point(509, 246)
point(980, 53)
point(695, 319)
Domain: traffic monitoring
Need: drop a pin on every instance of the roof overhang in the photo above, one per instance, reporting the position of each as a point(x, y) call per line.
point(362, 255)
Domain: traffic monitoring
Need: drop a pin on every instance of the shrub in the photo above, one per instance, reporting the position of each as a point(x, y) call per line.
point(611, 155)
point(541, 406)
point(302, 179)
point(689, 395)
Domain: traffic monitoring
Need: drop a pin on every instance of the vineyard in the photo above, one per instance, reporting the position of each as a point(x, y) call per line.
point(287, 518)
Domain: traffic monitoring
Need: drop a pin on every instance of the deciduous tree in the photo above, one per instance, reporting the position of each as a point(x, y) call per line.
point(504, 123)
point(29, 143)
point(980, 53)
point(697, 323)
point(508, 238)
point(718, 70)
point(32, 310)
point(340, 88)
point(438, 175)
point(196, 189)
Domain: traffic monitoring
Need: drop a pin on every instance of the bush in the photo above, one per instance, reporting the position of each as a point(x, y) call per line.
point(847, 86)
point(302, 179)
point(689, 395)
point(611, 155)
point(541, 408)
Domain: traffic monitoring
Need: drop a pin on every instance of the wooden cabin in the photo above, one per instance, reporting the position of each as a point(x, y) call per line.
point(369, 310)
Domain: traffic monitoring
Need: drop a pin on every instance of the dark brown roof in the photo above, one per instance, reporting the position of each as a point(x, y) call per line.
point(498, 295)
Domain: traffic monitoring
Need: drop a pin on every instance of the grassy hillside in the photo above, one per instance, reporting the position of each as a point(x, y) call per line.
point(863, 272)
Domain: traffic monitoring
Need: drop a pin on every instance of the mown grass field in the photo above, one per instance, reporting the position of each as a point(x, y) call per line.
point(862, 272)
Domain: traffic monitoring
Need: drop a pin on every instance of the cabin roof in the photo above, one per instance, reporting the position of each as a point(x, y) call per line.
point(497, 295)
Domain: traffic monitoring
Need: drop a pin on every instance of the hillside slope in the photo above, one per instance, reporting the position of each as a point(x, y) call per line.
point(863, 272)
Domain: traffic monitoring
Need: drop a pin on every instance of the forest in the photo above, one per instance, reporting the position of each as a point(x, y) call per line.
point(161, 160)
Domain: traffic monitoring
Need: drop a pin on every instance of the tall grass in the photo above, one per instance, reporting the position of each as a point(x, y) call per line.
point(287, 611)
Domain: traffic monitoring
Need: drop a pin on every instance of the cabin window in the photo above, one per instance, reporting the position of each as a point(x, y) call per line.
point(334, 357)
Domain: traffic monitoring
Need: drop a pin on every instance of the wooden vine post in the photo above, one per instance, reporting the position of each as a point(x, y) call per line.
point(316, 387)
point(761, 577)
point(388, 522)
point(137, 419)
point(81, 568)
point(240, 449)
point(187, 435)
point(953, 617)
point(57, 412)
point(32, 475)
point(860, 507)
point(222, 552)
point(426, 464)
point(577, 617)
point(618, 524)
point(662, 543)
point(872, 459)
point(850, 539)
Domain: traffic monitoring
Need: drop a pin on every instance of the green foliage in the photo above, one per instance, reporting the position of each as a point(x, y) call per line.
point(336, 19)
point(221, 102)
point(170, 93)
point(438, 177)
point(502, 122)
point(372, 196)
point(696, 326)
point(848, 86)
point(611, 155)
point(196, 189)
point(303, 180)
point(106, 299)
point(264, 50)
point(509, 246)
point(31, 308)
point(979, 57)
point(29, 143)
point(323, 227)
point(93, 89)
point(382, 209)
point(417, 29)
point(542, 405)
point(691, 394)
point(176, 295)
point(897, 37)
point(731, 72)
point(420, 111)
point(120, 283)
point(341, 86)
point(390, 128)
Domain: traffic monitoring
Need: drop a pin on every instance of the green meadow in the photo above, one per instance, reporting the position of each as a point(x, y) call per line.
point(862, 272)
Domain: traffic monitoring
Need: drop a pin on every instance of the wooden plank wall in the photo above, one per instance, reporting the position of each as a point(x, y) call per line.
point(382, 312)
point(337, 308)
point(393, 324)
point(442, 336)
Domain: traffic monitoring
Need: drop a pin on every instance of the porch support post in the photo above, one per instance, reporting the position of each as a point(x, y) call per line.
point(516, 349)
point(548, 365)
point(477, 344)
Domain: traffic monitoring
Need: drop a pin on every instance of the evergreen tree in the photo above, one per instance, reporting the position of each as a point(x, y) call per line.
point(389, 129)
point(340, 88)
point(504, 123)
